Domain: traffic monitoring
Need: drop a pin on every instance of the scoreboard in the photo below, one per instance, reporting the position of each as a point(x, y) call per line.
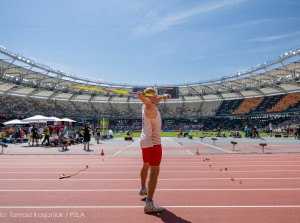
point(173, 91)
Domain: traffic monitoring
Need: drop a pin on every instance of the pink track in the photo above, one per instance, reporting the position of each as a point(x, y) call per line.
point(266, 188)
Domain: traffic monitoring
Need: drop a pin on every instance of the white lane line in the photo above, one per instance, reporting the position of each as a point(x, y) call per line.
point(172, 141)
point(171, 179)
point(163, 162)
point(163, 171)
point(167, 156)
point(216, 147)
point(118, 207)
point(162, 166)
point(117, 153)
point(134, 190)
point(176, 143)
point(187, 152)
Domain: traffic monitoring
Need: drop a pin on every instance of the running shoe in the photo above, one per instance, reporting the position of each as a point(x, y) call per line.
point(152, 208)
point(143, 191)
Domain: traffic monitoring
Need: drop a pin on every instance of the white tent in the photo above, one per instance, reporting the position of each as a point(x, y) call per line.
point(37, 118)
point(54, 119)
point(15, 122)
point(67, 120)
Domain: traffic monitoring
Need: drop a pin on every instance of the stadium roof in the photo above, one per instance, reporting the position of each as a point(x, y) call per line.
point(20, 75)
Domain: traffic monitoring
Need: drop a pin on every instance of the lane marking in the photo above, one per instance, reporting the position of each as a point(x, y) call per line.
point(171, 179)
point(134, 190)
point(118, 207)
point(173, 141)
point(163, 162)
point(216, 147)
point(184, 162)
point(162, 166)
point(117, 153)
point(167, 156)
point(163, 171)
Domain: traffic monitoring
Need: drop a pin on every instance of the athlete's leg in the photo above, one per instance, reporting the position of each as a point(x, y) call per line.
point(155, 155)
point(144, 174)
point(154, 172)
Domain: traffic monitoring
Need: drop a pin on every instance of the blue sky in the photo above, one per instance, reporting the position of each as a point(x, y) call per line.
point(145, 42)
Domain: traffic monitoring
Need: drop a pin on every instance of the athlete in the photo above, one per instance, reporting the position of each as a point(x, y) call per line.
point(87, 136)
point(151, 147)
point(97, 131)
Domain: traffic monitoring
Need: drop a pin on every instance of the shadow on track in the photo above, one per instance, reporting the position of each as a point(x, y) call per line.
point(169, 217)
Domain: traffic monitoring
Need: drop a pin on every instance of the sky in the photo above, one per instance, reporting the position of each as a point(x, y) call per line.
point(148, 42)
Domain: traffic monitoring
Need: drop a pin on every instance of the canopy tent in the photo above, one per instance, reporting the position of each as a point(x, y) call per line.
point(37, 118)
point(67, 120)
point(15, 122)
point(54, 119)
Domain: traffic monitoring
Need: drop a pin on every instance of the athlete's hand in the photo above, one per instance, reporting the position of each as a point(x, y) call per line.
point(140, 94)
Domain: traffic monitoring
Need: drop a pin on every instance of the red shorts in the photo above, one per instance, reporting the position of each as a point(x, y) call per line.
point(152, 155)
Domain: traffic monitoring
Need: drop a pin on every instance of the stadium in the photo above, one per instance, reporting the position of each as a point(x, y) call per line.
point(263, 94)
point(150, 111)
point(219, 156)
point(227, 149)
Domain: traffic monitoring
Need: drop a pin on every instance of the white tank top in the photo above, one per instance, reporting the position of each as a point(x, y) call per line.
point(151, 131)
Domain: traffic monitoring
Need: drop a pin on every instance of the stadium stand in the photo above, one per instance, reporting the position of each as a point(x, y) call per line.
point(63, 108)
point(287, 101)
point(267, 103)
point(228, 107)
point(295, 107)
point(260, 95)
point(247, 105)
point(209, 108)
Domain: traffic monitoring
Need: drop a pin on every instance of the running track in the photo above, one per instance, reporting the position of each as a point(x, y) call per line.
point(266, 188)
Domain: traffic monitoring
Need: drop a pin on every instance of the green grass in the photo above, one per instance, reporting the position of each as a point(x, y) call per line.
point(175, 134)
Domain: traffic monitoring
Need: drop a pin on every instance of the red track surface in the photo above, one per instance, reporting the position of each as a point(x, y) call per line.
point(266, 188)
point(260, 148)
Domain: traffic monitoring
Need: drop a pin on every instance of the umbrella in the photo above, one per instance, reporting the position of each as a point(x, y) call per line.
point(15, 122)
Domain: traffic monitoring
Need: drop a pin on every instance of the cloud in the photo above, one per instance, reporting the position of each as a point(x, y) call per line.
point(273, 38)
point(253, 22)
point(164, 23)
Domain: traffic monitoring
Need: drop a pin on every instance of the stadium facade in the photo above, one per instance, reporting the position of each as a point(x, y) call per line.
point(271, 89)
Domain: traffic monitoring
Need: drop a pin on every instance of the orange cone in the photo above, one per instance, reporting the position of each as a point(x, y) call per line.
point(102, 153)
point(197, 153)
